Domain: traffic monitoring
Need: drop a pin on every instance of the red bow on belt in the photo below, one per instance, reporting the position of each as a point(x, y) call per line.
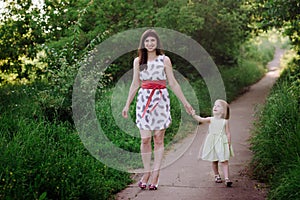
point(154, 85)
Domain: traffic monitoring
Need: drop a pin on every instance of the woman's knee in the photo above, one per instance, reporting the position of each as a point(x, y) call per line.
point(159, 140)
point(146, 141)
point(159, 143)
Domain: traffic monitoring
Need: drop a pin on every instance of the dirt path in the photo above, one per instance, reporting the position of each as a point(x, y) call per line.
point(190, 179)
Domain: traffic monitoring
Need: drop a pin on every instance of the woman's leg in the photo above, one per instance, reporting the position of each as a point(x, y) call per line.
point(146, 152)
point(158, 154)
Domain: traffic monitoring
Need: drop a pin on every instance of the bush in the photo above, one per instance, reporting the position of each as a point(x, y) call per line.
point(43, 160)
point(288, 186)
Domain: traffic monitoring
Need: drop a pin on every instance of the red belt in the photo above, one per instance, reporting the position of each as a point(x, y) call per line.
point(154, 85)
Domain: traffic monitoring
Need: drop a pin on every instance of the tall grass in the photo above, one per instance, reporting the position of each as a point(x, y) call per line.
point(276, 139)
point(44, 160)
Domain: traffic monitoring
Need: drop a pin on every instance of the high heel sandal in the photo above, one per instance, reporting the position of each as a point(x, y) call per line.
point(142, 185)
point(218, 179)
point(153, 187)
point(228, 183)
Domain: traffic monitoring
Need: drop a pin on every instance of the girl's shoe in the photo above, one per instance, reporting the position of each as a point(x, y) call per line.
point(228, 183)
point(218, 179)
point(153, 187)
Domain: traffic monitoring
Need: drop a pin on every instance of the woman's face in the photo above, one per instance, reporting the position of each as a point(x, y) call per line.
point(150, 43)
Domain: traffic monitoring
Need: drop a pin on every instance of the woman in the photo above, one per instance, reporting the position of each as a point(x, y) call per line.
point(151, 70)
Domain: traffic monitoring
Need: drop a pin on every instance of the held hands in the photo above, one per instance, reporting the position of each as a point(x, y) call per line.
point(193, 113)
point(188, 108)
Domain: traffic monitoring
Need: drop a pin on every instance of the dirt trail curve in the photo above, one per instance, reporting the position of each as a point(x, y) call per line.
point(190, 179)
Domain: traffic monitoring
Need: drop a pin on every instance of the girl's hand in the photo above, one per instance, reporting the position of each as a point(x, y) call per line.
point(125, 112)
point(193, 112)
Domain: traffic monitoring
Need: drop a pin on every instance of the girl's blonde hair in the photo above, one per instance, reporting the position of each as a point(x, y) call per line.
point(226, 109)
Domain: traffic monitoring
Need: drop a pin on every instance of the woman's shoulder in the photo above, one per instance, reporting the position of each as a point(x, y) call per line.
point(136, 61)
point(164, 56)
point(166, 60)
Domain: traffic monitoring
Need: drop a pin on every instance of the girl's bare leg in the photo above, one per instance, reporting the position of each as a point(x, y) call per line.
point(215, 167)
point(158, 154)
point(146, 152)
point(225, 167)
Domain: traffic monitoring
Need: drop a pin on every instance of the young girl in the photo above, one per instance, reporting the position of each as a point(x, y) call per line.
point(217, 146)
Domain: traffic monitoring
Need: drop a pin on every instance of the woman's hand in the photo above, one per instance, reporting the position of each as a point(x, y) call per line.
point(188, 108)
point(125, 112)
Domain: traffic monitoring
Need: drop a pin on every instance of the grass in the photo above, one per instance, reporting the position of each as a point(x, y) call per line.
point(276, 139)
point(41, 159)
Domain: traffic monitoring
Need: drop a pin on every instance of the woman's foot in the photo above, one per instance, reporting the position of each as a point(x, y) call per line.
point(154, 183)
point(142, 185)
point(218, 178)
point(228, 183)
point(143, 182)
point(153, 186)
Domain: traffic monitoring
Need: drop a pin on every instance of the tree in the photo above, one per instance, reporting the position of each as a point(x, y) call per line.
point(279, 14)
point(20, 33)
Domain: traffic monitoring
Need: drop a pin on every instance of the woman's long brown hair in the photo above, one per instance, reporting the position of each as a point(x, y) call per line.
point(142, 51)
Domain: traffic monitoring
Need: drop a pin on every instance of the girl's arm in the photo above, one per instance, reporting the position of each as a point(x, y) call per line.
point(227, 130)
point(201, 119)
point(175, 86)
point(135, 84)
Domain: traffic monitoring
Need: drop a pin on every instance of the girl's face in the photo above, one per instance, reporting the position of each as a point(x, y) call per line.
point(218, 109)
point(150, 43)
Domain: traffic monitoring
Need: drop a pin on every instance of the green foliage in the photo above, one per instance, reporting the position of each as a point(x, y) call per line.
point(276, 140)
point(221, 27)
point(180, 16)
point(224, 29)
point(254, 56)
point(21, 32)
point(45, 160)
point(280, 14)
point(288, 186)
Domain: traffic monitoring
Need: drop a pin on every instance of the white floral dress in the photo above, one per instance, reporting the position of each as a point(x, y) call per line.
point(159, 118)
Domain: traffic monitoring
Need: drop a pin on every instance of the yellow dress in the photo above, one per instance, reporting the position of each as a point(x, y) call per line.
point(215, 147)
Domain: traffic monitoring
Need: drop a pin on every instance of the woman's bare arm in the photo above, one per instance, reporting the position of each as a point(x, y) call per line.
point(175, 86)
point(135, 84)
